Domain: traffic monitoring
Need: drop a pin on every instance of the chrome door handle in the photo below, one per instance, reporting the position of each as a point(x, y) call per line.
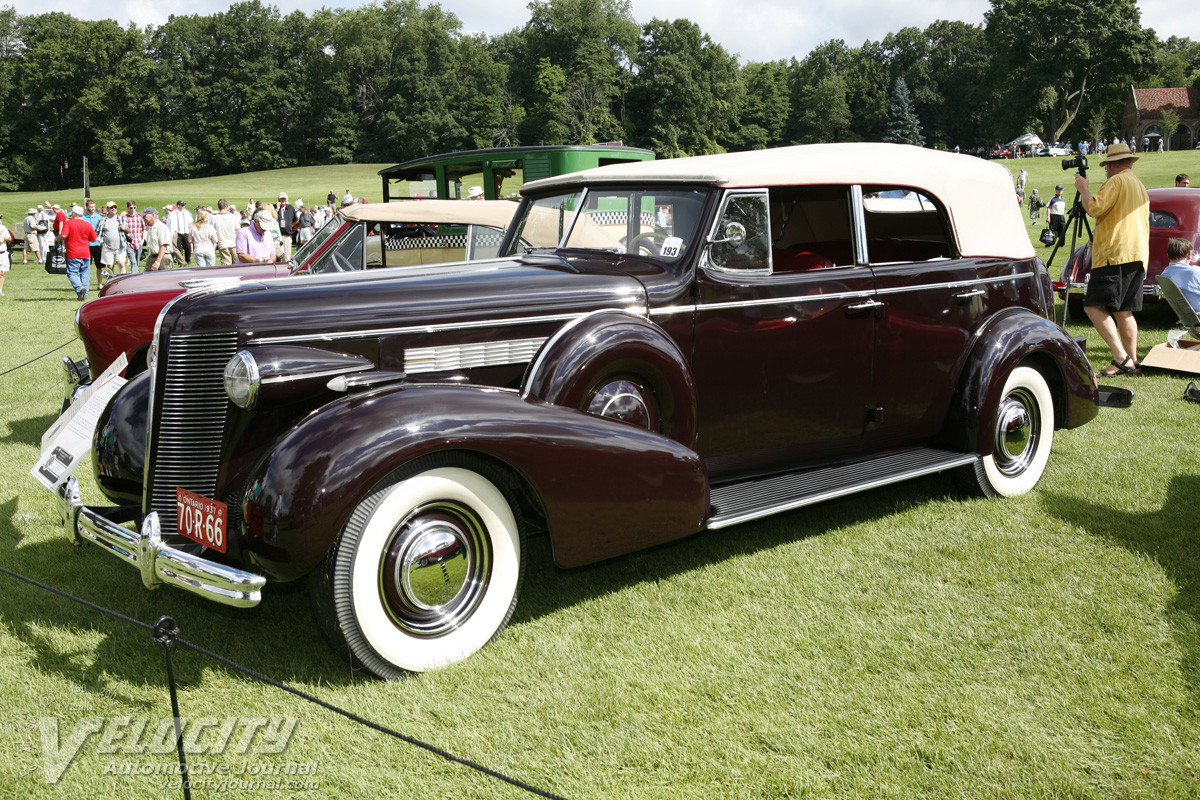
point(867, 304)
point(963, 297)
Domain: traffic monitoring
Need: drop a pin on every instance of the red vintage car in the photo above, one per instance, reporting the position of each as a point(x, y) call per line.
point(121, 319)
point(1174, 213)
point(661, 348)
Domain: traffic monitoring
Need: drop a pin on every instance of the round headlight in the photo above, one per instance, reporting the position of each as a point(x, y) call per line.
point(242, 380)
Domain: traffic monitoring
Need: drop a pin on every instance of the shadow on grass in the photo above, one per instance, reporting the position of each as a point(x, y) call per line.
point(280, 637)
point(28, 431)
point(1170, 536)
point(98, 652)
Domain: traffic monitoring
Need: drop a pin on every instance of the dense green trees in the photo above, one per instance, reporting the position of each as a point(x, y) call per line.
point(248, 89)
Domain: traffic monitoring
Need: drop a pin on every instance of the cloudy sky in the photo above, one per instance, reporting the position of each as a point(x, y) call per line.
point(757, 30)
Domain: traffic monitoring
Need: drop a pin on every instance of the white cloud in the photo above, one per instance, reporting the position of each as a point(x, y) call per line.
point(757, 30)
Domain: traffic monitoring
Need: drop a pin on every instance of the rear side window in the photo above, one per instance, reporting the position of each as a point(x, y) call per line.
point(904, 225)
point(1163, 219)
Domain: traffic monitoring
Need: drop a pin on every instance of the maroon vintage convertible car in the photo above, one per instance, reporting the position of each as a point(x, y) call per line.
point(121, 319)
point(662, 348)
point(1174, 213)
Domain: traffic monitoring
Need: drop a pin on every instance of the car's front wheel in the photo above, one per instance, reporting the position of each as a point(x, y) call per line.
point(1022, 432)
point(427, 569)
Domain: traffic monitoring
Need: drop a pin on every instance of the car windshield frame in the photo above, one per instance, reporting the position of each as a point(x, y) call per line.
point(592, 218)
point(323, 234)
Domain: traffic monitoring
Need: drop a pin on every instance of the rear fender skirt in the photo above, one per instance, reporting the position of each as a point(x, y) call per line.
point(606, 487)
point(1007, 340)
point(608, 345)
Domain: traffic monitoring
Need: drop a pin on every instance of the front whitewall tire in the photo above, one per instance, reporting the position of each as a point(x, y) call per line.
point(399, 602)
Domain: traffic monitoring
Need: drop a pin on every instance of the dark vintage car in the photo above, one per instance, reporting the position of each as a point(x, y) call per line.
point(1174, 214)
point(662, 348)
point(121, 319)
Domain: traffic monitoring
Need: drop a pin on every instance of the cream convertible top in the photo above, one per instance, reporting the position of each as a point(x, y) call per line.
point(496, 213)
point(978, 195)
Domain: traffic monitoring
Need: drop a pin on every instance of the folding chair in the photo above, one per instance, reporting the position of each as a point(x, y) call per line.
point(1187, 315)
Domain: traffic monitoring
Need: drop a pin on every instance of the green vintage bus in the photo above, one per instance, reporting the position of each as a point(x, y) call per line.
point(497, 172)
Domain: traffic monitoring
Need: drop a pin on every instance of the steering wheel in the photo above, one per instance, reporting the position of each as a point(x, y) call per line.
point(646, 244)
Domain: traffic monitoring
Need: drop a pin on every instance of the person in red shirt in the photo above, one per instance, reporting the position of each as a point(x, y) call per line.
point(77, 236)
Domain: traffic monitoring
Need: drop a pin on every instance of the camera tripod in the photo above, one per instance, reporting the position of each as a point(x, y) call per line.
point(1077, 221)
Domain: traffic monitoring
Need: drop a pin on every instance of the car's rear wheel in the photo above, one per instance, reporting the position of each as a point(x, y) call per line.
point(427, 569)
point(1022, 433)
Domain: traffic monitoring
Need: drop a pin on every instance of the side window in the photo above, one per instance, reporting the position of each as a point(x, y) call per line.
point(1162, 219)
point(904, 225)
point(742, 239)
point(811, 228)
point(346, 254)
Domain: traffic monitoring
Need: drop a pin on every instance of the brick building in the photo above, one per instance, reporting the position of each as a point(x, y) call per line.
point(1143, 117)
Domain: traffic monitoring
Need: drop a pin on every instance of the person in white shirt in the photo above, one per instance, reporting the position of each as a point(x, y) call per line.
point(180, 224)
point(226, 223)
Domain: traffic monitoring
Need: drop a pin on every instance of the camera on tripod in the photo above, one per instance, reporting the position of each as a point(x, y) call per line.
point(1078, 162)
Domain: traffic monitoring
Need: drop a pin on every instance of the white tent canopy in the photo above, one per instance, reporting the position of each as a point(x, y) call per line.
point(1026, 140)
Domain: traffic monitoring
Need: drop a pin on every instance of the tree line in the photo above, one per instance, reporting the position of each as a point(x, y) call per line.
point(250, 89)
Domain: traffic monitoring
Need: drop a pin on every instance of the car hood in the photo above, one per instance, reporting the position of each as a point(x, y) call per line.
point(478, 294)
point(195, 276)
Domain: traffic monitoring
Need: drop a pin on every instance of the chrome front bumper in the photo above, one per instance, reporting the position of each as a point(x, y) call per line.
point(158, 562)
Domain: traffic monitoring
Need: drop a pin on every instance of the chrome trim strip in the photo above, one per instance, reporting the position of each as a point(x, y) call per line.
point(858, 225)
point(435, 328)
point(447, 358)
point(325, 373)
point(718, 522)
point(957, 284)
point(775, 301)
point(561, 332)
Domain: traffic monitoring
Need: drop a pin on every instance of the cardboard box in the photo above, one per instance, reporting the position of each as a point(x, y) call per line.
point(1177, 353)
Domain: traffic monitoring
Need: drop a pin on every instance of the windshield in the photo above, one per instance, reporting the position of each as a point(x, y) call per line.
point(320, 237)
point(647, 222)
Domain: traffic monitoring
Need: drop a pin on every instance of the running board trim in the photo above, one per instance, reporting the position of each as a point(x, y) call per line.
point(761, 497)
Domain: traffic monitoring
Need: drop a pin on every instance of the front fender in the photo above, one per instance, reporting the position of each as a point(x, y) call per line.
point(1008, 340)
point(608, 344)
point(606, 488)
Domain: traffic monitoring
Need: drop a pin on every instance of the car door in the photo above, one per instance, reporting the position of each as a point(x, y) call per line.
point(783, 332)
point(933, 302)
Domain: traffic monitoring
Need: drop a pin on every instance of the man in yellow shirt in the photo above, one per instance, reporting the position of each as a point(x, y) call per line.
point(1120, 253)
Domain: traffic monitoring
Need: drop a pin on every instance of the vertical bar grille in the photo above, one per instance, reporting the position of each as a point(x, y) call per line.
point(190, 420)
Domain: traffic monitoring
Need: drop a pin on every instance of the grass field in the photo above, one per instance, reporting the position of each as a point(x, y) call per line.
point(905, 643)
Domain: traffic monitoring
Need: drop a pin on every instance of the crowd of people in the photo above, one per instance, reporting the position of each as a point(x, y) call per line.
point(75, 239)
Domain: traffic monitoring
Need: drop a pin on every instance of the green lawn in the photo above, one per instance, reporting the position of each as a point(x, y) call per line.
point(905, 643)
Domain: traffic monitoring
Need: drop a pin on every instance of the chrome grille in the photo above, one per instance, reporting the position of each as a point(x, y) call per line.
point(191, 407)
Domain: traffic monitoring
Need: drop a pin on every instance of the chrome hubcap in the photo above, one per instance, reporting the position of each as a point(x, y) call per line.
point(1018, 430)
point(624, 401)
point(435, 568)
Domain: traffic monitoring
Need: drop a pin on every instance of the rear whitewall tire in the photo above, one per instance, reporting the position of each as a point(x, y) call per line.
point(1022, 434)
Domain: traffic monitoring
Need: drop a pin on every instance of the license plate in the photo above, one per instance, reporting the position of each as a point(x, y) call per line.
point(200, 519)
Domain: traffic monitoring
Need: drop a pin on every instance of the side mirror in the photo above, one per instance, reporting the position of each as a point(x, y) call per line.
point(735, 234)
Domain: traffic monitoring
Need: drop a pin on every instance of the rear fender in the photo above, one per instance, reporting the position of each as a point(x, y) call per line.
point(1007, 341)
point(606, 487)
point(610, 345)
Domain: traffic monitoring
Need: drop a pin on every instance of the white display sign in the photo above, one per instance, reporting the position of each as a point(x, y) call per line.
point(70, 437)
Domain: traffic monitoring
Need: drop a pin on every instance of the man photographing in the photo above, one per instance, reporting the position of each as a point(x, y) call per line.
point(1120, 252)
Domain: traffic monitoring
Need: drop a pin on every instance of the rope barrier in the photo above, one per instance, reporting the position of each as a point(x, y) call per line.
point(39, 358)
point(166, 633)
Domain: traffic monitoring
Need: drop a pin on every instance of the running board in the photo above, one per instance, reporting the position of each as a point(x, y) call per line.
point(760, 497)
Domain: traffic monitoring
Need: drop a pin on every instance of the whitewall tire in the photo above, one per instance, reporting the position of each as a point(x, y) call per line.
point(1022, 433)
point(427, 569)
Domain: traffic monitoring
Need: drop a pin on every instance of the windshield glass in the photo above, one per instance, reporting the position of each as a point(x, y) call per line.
point(312, 245)
point(645, 222)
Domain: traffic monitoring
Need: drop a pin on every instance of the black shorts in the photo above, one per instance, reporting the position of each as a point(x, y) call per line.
point(1117, 287)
